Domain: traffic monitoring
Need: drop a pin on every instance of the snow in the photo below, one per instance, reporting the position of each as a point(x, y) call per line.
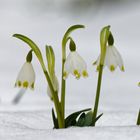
point(30, 125)
point(99, 133)
point(18, 123)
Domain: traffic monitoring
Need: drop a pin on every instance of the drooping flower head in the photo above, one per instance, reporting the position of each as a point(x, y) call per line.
point(112, 56)
point(112, 59)
point(74, 63)
point(26, 76)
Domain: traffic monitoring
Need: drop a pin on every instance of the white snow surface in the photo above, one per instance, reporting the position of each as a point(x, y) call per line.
point(37, 125)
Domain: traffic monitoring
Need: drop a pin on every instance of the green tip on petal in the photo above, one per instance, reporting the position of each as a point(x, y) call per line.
point(94, 63)
point(32, 86)
point(77, 74)
point(19, 84)
point(122, 68)
point(112, 68)
point(85, 74)
point(25, 84)
point(139, 84)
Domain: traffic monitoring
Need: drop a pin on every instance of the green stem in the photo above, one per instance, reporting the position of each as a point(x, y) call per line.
point(56, 101)
point(138, 120)
point(95, 110)
point(63, 90)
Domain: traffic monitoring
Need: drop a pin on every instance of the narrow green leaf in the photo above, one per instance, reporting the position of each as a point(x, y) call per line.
point(93, 123)
point(55, 120)
point(98, 117)
point(138, 120)
point(81, 120)
point(72, 118)
point(50, 59)
point(33, 46)
point(88, 118)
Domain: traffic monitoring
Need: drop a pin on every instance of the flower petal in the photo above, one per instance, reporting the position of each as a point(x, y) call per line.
point(26, 76)
point(118, 58)
point(74, 64)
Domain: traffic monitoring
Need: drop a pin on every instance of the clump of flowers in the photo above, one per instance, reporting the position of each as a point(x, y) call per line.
point(73, 63)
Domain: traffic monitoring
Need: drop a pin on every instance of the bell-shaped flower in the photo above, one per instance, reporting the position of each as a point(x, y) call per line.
point(112, 59)
point(75, 65)
point(55, 86)
point(26, 76)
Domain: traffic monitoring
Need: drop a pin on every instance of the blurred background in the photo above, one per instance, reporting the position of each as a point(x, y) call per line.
point(45, 22)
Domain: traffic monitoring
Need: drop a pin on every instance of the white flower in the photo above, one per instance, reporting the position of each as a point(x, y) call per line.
point(112, 59)
point(26, 76)
point(75, 65)
point(55, 86)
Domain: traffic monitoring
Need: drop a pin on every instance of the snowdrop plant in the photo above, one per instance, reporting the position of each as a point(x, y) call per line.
point(109, 56)
point(73, 64)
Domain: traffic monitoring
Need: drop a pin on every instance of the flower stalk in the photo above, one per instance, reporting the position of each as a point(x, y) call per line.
point(95, 110)
point(63, 82)
point(103, 42)
point(37, 52)
point(50, 73)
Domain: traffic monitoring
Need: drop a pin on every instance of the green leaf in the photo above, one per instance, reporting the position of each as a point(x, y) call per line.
point(50, 59)
point(71, 119)
point(87, 119)
point(33, 46)
point(96, 119)
point(138, 120)
point(81, 120)
point(55, 120)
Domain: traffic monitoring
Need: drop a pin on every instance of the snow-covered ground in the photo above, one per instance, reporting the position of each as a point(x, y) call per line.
point(36, 125)
point(120, 96)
